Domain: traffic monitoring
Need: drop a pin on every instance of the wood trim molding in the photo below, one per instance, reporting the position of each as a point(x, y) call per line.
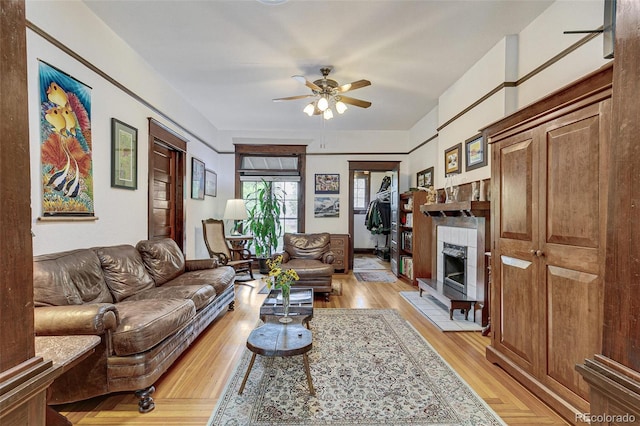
point(615, 391)
point(524, 78)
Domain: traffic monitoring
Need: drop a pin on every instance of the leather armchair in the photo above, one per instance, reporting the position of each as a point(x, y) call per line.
point(311, 257)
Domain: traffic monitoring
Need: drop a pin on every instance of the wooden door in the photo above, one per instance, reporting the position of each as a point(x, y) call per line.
point(516, 293)
point(163, 207)
point(573, 194)
point(167, 171)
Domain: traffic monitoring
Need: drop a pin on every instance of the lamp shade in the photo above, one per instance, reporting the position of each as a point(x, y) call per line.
point(236, 210)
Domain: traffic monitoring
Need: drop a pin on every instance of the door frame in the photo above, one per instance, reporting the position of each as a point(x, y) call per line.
point(371, 166)
point(162, 135)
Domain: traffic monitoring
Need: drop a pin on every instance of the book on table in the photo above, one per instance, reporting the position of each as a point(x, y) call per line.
point(296, 296)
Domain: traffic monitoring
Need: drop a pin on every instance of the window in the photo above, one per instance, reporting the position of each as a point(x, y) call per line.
point(288, 190)
point(282, 166)
point(361, 181)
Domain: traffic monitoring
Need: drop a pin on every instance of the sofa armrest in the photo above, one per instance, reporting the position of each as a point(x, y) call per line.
point(329, 257)
point(199, 264)
point(93, 318)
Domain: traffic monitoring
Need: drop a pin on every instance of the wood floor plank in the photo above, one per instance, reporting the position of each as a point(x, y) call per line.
point(189, 391)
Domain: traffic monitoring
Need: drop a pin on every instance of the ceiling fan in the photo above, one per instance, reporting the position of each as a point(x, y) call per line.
point(328, 93)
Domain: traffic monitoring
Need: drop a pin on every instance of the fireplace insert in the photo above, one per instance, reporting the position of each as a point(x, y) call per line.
point(454, 258)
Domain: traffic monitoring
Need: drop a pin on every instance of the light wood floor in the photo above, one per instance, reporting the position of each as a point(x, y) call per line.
point(188, 392)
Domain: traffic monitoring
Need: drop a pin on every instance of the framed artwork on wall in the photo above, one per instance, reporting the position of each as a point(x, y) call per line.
point(66, 157)
point(327, 183)
point(210, 183)
point(452, 157)
point(475, 149)
point(197, 179)
point(124, 155)
point(326, 207)
point(425, 178)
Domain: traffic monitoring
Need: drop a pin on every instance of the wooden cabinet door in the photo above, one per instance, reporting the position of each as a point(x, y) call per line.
point(516, 315)
point(573, 195)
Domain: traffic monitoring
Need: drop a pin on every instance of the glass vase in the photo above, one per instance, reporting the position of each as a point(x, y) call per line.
point(285, 305)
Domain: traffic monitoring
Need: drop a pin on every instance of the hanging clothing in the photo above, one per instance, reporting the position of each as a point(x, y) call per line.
point(378, 217)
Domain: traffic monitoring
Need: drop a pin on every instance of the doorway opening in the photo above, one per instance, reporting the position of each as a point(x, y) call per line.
point(373, 210)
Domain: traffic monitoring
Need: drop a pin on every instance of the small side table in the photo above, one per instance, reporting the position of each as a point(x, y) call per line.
point(277, 339)
point(238, 242)
point(65, 352)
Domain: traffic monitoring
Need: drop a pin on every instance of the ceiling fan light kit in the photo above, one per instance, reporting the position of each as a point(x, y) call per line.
point(327, 92)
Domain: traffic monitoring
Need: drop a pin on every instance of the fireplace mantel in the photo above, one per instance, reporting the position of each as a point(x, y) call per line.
point(458, 208)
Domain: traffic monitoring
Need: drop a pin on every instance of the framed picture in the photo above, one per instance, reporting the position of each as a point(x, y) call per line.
point(327, 183)
point(326, 207)
point(452, 157)
point(124, 155)
point(210, 183)
point(475, 149)
point(425, 178)
point(197, 179)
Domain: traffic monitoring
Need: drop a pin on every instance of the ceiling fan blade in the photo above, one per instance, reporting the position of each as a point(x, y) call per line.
point(355, 102)
point(353, 86)
point(309, 84)
point(292, 98)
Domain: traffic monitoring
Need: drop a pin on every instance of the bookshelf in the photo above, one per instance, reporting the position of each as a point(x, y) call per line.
point(414, 238)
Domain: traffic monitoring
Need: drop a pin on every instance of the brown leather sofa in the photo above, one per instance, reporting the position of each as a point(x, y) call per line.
point(147, 303)
point(311, 257)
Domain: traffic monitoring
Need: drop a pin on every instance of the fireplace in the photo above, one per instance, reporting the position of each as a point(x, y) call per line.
point(464, 224)
point(454, 259)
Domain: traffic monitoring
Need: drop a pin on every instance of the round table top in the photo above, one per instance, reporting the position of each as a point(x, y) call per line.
point(278, 339)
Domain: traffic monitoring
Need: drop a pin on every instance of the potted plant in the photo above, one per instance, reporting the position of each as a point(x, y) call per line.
point(264, 221)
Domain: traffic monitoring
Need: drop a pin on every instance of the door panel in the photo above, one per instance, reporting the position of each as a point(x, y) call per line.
point(515, 280)
point(572, 245)
point(516, 190)
point(573, 300)
point(572, 214)
point(517, 323)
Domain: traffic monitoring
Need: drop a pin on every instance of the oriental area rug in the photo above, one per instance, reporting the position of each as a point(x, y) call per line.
point(375, 276)
point(369, 367)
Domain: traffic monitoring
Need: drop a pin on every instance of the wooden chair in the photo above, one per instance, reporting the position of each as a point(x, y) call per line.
point(214, 238)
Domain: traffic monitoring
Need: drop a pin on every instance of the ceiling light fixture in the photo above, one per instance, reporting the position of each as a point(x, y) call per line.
point(341, 107)
point(328, 95)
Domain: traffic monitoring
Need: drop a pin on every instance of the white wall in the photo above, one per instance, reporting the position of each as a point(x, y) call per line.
point(510, 59)
point(122, 214)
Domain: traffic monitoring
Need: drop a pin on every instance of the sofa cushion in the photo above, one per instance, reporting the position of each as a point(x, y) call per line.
point(123, 269)
point(69, 278)
point(307, 246)
point(201, 295)
point(308, 268)
point(145, 323)
point(162, 258)
point(220, 278)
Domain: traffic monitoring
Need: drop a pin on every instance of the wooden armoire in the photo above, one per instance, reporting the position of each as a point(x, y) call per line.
point(549, 207)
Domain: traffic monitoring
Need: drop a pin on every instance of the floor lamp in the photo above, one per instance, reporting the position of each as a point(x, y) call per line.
point(237, 211)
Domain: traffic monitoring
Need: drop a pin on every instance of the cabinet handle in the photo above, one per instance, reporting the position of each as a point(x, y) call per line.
point(539, 253)
point(532, 251)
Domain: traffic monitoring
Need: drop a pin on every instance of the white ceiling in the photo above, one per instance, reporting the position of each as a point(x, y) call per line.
point(230, 58)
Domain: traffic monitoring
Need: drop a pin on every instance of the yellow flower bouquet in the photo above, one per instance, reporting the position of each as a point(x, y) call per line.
point(282, 280)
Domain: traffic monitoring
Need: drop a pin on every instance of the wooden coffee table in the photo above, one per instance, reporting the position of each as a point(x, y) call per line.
point(278, 339)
